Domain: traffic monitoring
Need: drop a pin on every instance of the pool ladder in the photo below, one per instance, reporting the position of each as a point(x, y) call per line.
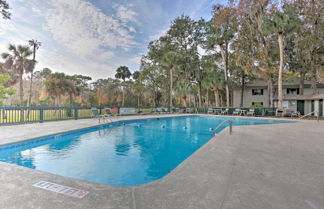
point(220, 125)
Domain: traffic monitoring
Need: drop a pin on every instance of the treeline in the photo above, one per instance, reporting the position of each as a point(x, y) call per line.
point(196, 63)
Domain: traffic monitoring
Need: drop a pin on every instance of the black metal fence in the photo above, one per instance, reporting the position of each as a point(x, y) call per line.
point(15, 115)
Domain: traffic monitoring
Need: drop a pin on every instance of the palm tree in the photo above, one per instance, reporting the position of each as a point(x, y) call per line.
point(17, 61)
point(282, 23)
point(169, 60)
point(35, 46)
point(214, 80)
point(122, 73)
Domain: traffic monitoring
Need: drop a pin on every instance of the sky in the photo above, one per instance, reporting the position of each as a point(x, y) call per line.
point(94, 37)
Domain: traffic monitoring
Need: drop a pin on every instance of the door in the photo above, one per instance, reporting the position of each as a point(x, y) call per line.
point(321, 108)
point(312, 107)
point(301, 106)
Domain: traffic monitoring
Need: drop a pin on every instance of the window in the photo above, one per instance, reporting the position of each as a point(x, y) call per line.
point(293, 91)
point(257, 91)
point(257, 103)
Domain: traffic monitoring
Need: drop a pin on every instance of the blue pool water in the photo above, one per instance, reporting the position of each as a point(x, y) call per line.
point(121, 154)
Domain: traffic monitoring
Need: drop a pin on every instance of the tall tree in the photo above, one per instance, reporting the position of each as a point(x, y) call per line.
point(17, 60)
point(252, 13)
point(35, 46)
point(170, 60)
point(308, 48)
point(225, 21)
point(122, 73)
point(139, 87)
point(282, 23)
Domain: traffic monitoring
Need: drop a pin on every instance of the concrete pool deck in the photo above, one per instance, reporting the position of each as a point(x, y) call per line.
point(261, 166)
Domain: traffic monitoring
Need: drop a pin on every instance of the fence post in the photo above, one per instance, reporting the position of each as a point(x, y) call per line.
point(22, 119)
point(76, 114)
point(41, 115)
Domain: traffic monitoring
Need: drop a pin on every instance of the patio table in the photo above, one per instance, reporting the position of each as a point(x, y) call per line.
point(217, 111)
point(242, 112)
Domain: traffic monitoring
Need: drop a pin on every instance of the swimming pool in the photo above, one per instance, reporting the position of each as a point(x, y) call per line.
point(120, 154)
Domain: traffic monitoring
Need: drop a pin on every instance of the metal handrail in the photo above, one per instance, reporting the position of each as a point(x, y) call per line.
point(220, 125)
point(314, 112)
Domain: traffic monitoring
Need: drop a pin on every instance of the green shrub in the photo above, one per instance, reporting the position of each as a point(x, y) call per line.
point(257, 105)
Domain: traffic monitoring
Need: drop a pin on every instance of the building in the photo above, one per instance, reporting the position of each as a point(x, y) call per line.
point(257, 94)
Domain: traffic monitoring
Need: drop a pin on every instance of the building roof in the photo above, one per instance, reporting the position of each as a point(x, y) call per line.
point(293, 83)
point(302, 97)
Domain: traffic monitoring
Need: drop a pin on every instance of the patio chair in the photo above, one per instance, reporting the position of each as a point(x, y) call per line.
point(251, 112)
point(224, 112)
point(236, 111)
point(210, 111)
point(279, 113)
point(217, 111)
point(96, 114)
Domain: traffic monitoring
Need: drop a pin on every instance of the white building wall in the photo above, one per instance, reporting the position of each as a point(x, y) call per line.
point(248, 98)
point(309, 91)
point(316, 107)
point(308, 106)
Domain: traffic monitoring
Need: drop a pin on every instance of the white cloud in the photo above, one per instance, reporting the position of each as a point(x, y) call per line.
point(159, 33)
point(132, 29)
point(136, 59)
point(84, 29)
point(125, 14)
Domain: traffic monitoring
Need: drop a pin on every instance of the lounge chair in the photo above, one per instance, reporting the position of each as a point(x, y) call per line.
point(210, 111)
point(96, 114)
point(108, 112)
point(251, 112)
point(165, 110)
point(291, 113)
point(236, 111)
point(127, 111)
point(296, 114)
point(224, 112)
point(157, 110)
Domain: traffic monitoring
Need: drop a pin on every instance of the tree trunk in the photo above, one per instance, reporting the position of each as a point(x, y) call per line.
point(313, 84)
point(199, 94)
point(207, 97)
point(123, 102)
point(301, 83)
point(30, 89)
point(216, 93)
point(70, 98)
point(224, 58)
point(270, 92)
point(242, 90)
point(21, 89)
point(189, 100)
point(171, 83)
point(31, 79)
point(280, 42)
